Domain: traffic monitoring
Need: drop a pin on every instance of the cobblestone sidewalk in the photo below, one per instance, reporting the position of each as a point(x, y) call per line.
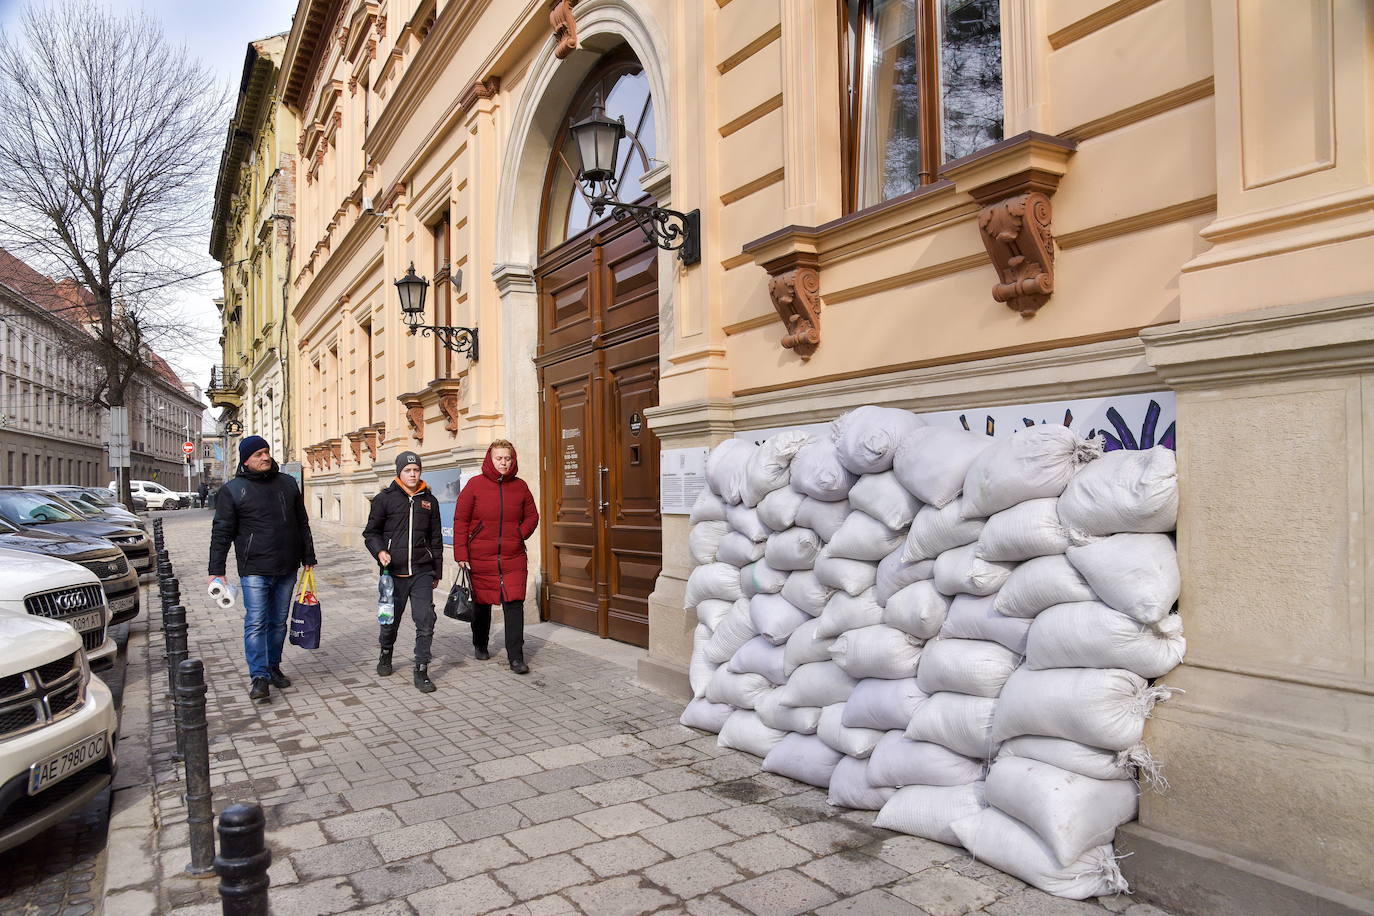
point(571, 790)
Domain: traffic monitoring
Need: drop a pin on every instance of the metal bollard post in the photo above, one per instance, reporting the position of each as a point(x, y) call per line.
point(174, 625)
point(170, 590)
point(243, 861)
point(190, 706)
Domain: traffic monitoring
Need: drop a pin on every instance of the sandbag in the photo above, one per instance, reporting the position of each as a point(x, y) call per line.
point(1040, 583)
point(1069, 812)
point(863, 537)
point(1123, 491)
point(961, 572)
point(758, 578)
point(1034, 463)
point(975, 618)
point(804, 758)
point(703, 540)
point(849, 612)
point(918, 609)
point(804, 647)
point(725, 469)
point(932, 461)
point(1135, 573)
point(817, 472)
point(895, 574)
point(738, 550)
point(882, 703)
point(898, 761)
point(705, 715)
point(866, 438)
point(961, 723)
point(769, 466)
point(1100, 707)
point(800, 719)
point(1091, 635)
point(747, 522)
point(734, 630)
point(743, 731)
point(877, 651)
point(977, 667)
point(816, 684)
point(883, 497)
point(701, 669)
point(934, 531)
point(1026, 530)
point(850, 788)
point(805, 591)
point(707, 507)
point(929, 811)
point(714, 580)
point(1079, 758)
point(778, 510)
point(795, 548)
point(1007, 844)
point(711, 612)
point(822, 517)
point(853, 576)
point(759, 656)
point(741, 691)
point(853, 742)
point(774, 618)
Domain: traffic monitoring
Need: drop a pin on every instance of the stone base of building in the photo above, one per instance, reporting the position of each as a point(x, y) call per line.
point(665, 677)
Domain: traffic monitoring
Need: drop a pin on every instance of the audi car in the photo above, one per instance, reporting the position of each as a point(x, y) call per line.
point(62, 591)
point(117, 578)
point(31, 508)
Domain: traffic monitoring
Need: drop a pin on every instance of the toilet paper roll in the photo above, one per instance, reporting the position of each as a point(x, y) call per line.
point(222, 593)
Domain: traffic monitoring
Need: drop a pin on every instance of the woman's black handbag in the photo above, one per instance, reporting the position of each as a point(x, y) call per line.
point(459, 604)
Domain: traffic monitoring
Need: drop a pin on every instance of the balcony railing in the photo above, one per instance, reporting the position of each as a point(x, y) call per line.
point(223, 378)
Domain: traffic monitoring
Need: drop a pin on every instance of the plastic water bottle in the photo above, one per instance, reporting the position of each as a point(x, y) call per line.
point(386, 598)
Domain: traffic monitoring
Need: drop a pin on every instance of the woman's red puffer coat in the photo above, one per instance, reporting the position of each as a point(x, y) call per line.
point(493, 518)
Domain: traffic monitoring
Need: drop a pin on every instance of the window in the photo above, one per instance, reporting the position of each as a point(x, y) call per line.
point(923, 86)
point(441, 234)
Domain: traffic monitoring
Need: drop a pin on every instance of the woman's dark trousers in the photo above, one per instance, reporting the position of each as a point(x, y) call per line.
point(514, 612)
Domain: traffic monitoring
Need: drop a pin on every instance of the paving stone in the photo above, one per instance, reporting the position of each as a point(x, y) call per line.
point(543, 876)
point(940, 892)
point(743, 791)
point(1143, 909)
point(852, 872)
point(751, 820)
point(431, 807)
point(130, 862)
point(386, 908)
point(478, 894)
point(318, 898)
point(687, 836)
point(557, 780)
point(553, 837)
point(552, 905)
point(694, 875)
point(363, 823)
point(498, 793)
point(912, 853)
point(731, 766)
point(765, 853)
point(780, 893)
point(616, 745)
point(617, 791)
point(396, 879)
point(507, 767)
point(281, 872)
point(678, 805)
point(384, 793)
point(567, 755)
point(129, 903)
point(616, 767)
point(487, 822)
point(628, 896)
point(337, 859)
point(1116, 903)
point(618, 820)
point(675, 755)
point(1031, 902)
point(309, 810)
point(712, 905)
point(618, 856)
point(395, 845)
point(467, 859)
point(550, 807)
point(670, 734)
point(871, 903)
point(677, 779)
point(298, 836)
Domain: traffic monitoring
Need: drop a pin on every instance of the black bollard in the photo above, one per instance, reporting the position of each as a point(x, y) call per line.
point(174, 626)
point(190, 706)
point(170, 590)
point(243, 861)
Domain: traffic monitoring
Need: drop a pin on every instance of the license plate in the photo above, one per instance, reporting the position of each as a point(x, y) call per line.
point(83, 622)
point(141, 562)
point(67, 761)
point(123, 604)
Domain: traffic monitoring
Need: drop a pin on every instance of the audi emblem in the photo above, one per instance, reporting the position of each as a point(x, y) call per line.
point(70, 601)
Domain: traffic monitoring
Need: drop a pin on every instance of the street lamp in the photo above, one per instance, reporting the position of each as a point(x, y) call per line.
point(598, 139)
point(412, 288)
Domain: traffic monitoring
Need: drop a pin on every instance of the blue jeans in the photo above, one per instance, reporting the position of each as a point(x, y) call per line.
point(266, 607)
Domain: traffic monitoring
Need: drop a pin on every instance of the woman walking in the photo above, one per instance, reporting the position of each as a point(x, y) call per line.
point(494, 517)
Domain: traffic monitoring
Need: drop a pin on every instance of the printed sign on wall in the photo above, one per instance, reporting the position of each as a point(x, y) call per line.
point(681, 478)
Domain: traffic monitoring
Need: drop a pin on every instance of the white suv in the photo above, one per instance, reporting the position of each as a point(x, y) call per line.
point(155, 494)
point(41, 586)
point(57, 727)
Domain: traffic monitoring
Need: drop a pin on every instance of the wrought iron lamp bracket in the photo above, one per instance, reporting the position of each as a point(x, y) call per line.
point(671, 230)
point(459, 340)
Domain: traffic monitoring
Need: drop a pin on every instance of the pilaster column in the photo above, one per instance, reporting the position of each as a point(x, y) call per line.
point(810, 112)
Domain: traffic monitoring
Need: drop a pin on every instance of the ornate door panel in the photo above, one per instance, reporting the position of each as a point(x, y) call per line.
point(570, 520)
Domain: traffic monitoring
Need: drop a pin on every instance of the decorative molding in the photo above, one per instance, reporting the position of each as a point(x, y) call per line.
point(795, 287)
point(448, 393)
point(479, 90)
point(1016, 232)
point(1175, 98)
point(564, 27)
point(380, 441)
point(355, 444)
point(415, 414)
point(1102, 18)
point(335, 447)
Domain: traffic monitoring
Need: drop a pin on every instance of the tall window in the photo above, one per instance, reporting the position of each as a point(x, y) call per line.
point(441, 233)
point(923, 86)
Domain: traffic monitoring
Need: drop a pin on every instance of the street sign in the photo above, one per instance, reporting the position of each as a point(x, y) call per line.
point(119, 437)
point(188, 447)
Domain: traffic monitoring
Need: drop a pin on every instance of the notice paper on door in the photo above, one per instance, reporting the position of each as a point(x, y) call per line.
point(681, 478)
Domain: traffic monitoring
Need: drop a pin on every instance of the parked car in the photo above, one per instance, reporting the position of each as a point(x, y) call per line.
point(93, 506)
point(57, 723)
point(155, 494)
point(31, 507)
point(58, 590)
point(117, 578)
point(136, 503)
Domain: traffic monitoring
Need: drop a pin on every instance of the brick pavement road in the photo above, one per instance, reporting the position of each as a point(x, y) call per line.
point(571, 790)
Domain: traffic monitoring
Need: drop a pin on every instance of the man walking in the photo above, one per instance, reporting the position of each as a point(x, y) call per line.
point(404, 533)
point(262, 514)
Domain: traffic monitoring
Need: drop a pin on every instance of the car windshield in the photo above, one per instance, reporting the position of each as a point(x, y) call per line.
point(80, 511)
point(94, 496)
point(8, 527)
point(155, 488)
point(28, 508)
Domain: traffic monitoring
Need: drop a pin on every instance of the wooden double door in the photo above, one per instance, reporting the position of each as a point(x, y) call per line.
point(598, 369)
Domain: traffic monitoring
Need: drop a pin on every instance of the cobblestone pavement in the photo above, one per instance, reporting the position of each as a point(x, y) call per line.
point(571, 790)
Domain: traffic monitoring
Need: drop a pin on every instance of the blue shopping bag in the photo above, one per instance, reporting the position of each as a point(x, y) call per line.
point(306, 620)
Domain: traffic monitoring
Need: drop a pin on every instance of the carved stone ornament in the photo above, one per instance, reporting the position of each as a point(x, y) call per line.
point(415, 415)
point(369, 439)
point(448, 403)
point(564, 27)
point(355, 445)
point(481, 89)
point(336, 451)
point(795, 287)
point(1016, 233)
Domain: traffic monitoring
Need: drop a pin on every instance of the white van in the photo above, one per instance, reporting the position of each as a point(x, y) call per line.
point(155, 494)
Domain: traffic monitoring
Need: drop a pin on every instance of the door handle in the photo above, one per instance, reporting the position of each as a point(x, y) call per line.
point(602, 504)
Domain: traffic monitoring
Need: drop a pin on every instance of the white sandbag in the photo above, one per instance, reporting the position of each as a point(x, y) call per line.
point(800, 719)
point(747, 522)
point(759, 656)
point(918, 609)
point(816, 684)
point(738, 550)
point(1091, 635)
point(1100, 707)
point(714, 580)
point(701, 669)
point(975, 618)
point(705, 715)
point(863, 537)
point(804, 758)
point(1034, 463)
point(744, 731)
point(929, 811)
point(883, 497)
point(1026, 530)
point(823, 517)
point(1094, 762)
point(850, 788)
point(849, 612)
point(711, 612)
point(778, 510)
point(741, 691)
point(898, 761)
point(877, 651)
point(1123, 491)
point(725, 469)
point(854, 742)
point(758, 578)
point(932, 461)
point(1135, 573)
point(934, 531)
point(882, 703)
point(977, 667)
point(866, 438)
point(817, 472)
point(795, 548)
point(708, 507)
point(703, 540)
point(1040, 583)
point(853, 576)
point(775, 618)
point(961, 572)
point(1007, 844)
point(959, 722)
point(769, 467)
point(1069, 812)
point(805, 591)
point(734, 630)
point(895, 574)
point(804, 647)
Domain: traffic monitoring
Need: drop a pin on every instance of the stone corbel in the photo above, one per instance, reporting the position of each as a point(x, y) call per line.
point(792, 262)
point(355, 444)
point(415, 414)
point(449, 392)
point(564, 27)
point(369, 440)
point(381, 436)
point(335, 447)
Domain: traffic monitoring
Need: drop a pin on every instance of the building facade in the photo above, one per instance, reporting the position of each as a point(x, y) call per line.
point(937, 206)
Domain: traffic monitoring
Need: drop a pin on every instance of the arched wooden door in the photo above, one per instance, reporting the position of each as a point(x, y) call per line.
point(598, 368)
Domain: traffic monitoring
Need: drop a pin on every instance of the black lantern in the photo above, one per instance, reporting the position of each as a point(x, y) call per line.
point(598, 140)
point(412, 289)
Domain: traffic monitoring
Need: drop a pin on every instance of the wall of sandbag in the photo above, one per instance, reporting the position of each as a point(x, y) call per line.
point(958, 632)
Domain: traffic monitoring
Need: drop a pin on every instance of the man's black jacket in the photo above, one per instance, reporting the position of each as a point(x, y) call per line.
point(262, 513)
point(409, 528)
